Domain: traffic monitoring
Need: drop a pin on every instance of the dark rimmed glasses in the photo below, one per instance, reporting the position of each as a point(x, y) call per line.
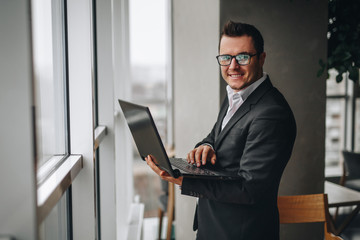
point(242, 59)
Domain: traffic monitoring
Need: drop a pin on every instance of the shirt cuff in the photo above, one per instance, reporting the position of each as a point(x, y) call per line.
point(208, 144)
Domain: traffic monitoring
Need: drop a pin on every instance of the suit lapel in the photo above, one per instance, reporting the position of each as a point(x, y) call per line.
point(222, 113)
point(242, 111)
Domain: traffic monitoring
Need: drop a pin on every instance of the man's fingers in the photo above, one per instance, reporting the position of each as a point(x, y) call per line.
point(198, 154)
point(152, 165)
point(201, 155)
point(213, 159)
point(164, 174)
point(156, 169)
point(204, 154)
point(192, 156)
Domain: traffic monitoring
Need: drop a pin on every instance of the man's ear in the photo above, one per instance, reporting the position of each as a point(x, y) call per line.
point(262, 57)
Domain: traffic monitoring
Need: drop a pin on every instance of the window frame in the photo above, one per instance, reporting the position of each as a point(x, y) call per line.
point(21, 217)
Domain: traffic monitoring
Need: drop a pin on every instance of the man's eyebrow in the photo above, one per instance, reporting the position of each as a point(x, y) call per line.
point(243, 53)
point(237, 54)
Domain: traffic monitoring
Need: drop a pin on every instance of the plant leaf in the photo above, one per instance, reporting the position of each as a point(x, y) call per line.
point(339, 77)
point(354, 74)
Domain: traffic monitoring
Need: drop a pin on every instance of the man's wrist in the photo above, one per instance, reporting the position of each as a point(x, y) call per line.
point(208, 144)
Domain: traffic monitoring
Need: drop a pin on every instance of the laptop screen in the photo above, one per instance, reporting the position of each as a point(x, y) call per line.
point(145, 134)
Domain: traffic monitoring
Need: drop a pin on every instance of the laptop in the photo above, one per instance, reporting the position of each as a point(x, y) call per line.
point(148, 142)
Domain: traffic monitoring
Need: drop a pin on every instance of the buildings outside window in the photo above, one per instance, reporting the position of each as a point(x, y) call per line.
point(342, 122)
point(151, 86)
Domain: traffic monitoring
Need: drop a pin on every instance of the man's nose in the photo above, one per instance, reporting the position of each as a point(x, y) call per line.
point(234, 63)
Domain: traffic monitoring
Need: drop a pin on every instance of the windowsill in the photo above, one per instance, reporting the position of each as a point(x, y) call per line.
point(48, 167)
point(100, 133)
point(333, 171)
point(50, 191)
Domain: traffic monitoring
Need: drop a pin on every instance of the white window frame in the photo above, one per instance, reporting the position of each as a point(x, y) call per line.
point(115, 150)
point(114, 165)
point(19, 212)
point(123, 147)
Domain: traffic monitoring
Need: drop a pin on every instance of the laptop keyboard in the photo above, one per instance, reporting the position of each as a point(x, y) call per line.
point(190, 168)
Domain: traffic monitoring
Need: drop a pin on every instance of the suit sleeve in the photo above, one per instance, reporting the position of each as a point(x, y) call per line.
point(268, 147)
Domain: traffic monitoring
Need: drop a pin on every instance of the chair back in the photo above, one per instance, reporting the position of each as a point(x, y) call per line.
point(306, 209)
point(352, 164)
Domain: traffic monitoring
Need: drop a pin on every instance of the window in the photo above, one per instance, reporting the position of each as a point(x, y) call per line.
point(150, 85)
point(50, 78)
point(48, 65)
point(55, 226)
point(342, 122)
point(50, 84)
point(357, 120)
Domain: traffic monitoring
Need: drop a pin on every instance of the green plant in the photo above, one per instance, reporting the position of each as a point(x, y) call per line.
point(343, 39)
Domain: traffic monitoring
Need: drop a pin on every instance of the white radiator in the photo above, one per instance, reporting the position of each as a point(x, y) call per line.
point(135, 220)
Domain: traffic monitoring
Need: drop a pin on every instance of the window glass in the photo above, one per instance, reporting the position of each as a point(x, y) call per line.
point(335, 134)
point(55, 227)
point(49, 77)
point(334, 142)
point(333, 87)
point(148, 42)
point(357, 126)
point(340, 129)
point(49, 68)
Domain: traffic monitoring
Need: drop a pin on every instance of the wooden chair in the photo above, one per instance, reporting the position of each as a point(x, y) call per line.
point(306, 209)
point(351, 175)
point(167, 202)
point(169, 208)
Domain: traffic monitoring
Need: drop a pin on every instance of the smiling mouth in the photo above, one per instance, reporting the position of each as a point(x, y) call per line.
point(236, 75)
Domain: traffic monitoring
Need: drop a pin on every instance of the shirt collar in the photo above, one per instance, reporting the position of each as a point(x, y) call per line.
point(244, 93)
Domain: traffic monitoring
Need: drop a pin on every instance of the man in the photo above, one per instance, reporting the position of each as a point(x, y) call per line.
point(254, 135)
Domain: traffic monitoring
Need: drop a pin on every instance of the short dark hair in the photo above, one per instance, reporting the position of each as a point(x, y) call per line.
point(238, 29)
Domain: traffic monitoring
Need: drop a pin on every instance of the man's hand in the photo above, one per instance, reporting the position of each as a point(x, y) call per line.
point(163, 174)
point(201, 155)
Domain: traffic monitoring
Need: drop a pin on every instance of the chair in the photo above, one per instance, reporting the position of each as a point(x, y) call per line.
point(167, 204)
point(167, 201)
point(306, 209)
point(352, 170)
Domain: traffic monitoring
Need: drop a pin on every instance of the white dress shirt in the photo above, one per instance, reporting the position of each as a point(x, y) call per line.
point(236, 99)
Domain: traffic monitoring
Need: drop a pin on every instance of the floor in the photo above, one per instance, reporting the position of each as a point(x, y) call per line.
point(352, 232)
point(150, 229)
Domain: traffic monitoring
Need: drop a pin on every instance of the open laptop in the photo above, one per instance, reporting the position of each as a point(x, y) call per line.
point(148, 142)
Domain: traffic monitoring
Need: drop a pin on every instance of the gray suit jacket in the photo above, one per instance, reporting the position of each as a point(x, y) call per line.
point(257, 143)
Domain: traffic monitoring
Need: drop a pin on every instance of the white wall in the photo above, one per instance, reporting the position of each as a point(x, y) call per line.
point(196, 87)
point(17, 175)
point(295, 40)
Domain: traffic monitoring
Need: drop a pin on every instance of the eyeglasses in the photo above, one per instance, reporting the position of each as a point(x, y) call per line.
point(242, 59)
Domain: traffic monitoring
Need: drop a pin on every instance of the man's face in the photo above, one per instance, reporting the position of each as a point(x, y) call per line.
point(239, 77)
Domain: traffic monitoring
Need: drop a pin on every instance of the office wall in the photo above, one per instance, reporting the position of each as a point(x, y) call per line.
point(196, 87)
point(17, 178)
point(295, 40)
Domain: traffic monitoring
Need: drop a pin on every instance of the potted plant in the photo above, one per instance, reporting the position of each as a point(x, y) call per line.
point(343, 39)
